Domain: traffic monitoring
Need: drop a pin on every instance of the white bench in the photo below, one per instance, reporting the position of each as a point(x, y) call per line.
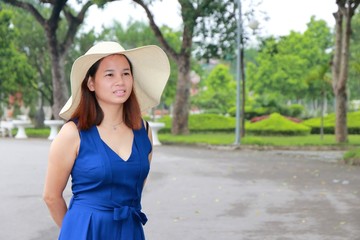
point(155, 127)
point(54, 127)
point(6, 128)
point(21, 125)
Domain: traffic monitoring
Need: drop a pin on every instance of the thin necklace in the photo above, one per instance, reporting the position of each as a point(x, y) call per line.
point(114, 127)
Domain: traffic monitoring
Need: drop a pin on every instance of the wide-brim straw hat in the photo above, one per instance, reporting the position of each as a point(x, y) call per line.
point(151, 70)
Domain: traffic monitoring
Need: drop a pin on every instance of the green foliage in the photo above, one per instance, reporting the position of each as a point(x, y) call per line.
point(32, 42)
point(203, 123)
point(213, 138)
point(296, 110)
point(277, 125)
point(354, 63)
point(250, 112)
point(353, 123)
point(283, 66)
point(218, 92)
point(16, 73)
point(214, 26)
point(258, 105)
point(274, 125)
point(37, 132)
point(221, 138)
point(218, 138)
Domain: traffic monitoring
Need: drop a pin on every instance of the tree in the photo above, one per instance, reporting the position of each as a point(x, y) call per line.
point(31, 42)
point(15, 70)
point(283, 66)
point(354, 63)
point(278, 69)
point(49, 14)
point(218, 92)
point(340, 64)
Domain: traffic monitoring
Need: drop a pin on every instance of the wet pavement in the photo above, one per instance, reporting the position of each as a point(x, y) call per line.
point(196, 193)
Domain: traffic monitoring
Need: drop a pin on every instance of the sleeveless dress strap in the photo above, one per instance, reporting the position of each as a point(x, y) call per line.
point(147, 126)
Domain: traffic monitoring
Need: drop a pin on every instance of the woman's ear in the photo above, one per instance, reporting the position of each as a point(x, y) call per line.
point(90, 84)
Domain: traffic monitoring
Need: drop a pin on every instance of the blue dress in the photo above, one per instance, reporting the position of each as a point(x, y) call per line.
point(106, 201)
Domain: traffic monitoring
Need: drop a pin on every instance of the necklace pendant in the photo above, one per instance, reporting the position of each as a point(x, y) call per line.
point(114, 127)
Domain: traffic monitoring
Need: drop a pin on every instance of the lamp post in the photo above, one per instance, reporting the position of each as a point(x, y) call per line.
point(239, 75)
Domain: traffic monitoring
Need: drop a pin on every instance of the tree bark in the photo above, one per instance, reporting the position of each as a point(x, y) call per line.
point(182, 103)
point(60, 88)
point(340, 64)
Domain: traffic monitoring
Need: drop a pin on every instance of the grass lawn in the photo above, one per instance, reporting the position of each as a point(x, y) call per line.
point(229, 138)
point(352, 156)
point(217, 138)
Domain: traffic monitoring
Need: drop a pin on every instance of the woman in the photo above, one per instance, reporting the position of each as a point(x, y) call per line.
point(105, 146)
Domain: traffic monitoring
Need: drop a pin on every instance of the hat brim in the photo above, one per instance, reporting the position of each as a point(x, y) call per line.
point(151, 70)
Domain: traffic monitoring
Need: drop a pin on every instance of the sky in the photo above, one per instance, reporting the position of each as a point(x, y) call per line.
point(283, 15)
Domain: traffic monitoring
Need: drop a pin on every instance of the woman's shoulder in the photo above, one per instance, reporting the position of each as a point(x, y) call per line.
point(67, 141)
point(69, 132)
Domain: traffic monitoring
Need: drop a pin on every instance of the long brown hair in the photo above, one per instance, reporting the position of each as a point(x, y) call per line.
point(89, 112)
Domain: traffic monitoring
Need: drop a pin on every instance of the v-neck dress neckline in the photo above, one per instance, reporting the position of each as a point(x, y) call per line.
point(112, 150)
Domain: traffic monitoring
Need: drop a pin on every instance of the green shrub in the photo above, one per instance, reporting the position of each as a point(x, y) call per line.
point(232, 111)
point(36, 132)
point(353, 123)
point(296, 110)
point(212, 111)
point(255, 112)
point(250, 112)
point(203, 123)
point(276, 124)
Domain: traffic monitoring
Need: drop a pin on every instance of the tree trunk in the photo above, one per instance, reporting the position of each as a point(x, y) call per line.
point(340, 95)
point(182, 103)
point(60, 88)
point(341, 133)
point(340, 65)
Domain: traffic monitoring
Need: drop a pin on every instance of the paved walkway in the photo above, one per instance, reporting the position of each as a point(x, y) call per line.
point(195, 193)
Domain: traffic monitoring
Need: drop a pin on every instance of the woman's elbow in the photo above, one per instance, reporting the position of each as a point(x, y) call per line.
point(50, 199)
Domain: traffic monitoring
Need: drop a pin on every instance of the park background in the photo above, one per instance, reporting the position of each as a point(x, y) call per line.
point(289, 98)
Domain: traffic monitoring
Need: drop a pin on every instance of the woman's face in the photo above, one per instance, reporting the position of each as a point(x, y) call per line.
point(113, 81)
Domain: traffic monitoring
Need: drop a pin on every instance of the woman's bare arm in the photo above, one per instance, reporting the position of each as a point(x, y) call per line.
point(62, 154)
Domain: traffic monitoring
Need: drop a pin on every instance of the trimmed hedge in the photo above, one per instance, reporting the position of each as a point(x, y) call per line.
point(353, 123)
point(276, 124)
point(203, 123)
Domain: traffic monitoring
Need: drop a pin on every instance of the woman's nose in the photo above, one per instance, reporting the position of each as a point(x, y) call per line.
point(119, 79)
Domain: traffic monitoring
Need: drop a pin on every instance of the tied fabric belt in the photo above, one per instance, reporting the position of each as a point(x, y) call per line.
point(128, 215)
point(124, 212)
